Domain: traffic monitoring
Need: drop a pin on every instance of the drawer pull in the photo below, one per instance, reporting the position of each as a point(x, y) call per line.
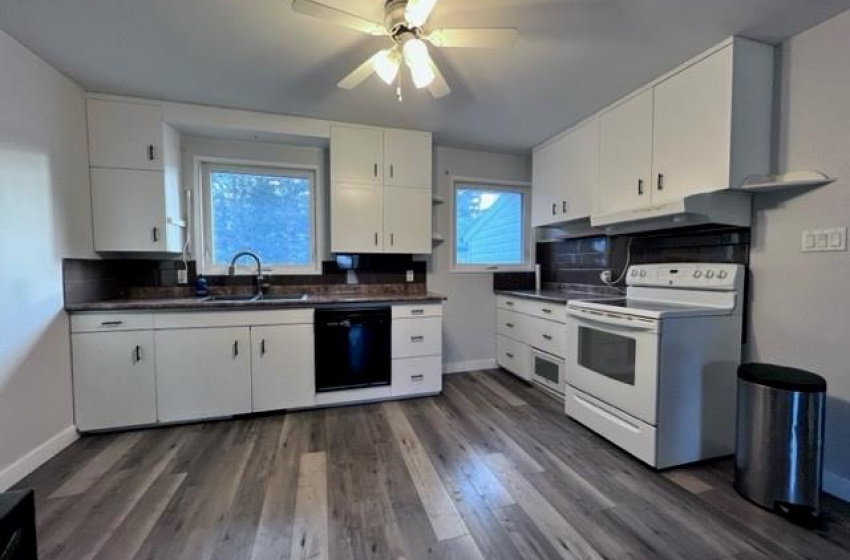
point(547, 336)
point(509, 355)
point(417, 311)
point(509, 325)
point(419, 338)
point(547, 311)
point(417, 378)
point(509, 303)
point(111, 323)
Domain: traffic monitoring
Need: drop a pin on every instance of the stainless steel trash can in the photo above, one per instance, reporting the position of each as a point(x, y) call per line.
point(779, 447)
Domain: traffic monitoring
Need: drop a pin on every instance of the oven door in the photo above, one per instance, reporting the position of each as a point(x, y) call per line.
point(615, 358)
point(547, 370)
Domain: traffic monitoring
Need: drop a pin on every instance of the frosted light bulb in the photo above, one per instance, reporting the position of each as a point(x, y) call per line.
point(386, 64)
point(419, 61)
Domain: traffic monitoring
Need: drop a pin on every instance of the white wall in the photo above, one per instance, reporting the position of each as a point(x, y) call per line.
point(469, 321)
point(801, 301)
point(44, 216)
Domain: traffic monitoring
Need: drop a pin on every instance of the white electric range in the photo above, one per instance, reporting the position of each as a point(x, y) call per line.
point(655, 372)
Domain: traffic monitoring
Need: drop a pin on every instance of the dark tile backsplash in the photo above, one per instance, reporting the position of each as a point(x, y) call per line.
point(104, 279)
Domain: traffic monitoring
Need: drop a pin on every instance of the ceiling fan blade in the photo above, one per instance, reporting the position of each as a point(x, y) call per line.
point(438, 88)
point(417, 12)
point(332, 15)
point(359, 75)
point(474, 37)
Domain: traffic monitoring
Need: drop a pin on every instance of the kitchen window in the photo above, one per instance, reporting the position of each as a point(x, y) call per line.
point(265, 209)
point(490, 227)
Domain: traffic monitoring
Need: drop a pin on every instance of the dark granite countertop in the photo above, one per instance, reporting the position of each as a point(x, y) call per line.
point(196, 304)
point(557, 296)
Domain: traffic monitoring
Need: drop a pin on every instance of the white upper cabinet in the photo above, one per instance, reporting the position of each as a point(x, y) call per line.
point(380, 190)
point(125, 135)
point(566, 172)
point(625, 155)
point(407, 158)
point(357, 154)
point(703, 128)
point(135, 177)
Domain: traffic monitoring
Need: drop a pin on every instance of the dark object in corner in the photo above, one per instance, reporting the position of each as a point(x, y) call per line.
point(17, 526)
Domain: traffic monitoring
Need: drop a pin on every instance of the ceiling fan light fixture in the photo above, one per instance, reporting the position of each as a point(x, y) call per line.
point(417, 11)
point(386, 64)
point(419, 62)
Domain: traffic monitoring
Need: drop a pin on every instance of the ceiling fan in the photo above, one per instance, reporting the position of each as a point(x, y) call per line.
point(405, 23)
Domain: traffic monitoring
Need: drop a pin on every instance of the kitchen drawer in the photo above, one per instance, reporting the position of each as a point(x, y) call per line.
point(546, 310)
point(103, 322)
point(417, 376)
point(513, 356)
point(417, 337)
point(516, 304)
point(511, 324)
point(548, 336)
point(416, 311)
point(208, 319)
point(616, 426)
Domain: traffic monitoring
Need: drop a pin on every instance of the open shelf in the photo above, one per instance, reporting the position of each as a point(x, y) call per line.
point(792, 180)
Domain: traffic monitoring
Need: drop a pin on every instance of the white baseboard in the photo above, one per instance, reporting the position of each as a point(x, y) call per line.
point(37, 457)
point(836, 485)
point(472, 365)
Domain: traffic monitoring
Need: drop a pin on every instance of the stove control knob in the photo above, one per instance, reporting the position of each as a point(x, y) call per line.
point(722, 274)
point(643, 274)
point(698, 274)
point(634, 272)
point(709, 275)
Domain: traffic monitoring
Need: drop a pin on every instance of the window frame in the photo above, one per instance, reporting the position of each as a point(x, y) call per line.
point(520, 187)
point(203, 212)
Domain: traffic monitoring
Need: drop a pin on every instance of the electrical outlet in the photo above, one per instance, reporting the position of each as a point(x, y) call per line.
point(410, 277)
point(182, 276)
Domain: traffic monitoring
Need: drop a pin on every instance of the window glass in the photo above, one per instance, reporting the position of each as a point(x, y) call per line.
point(489, 227)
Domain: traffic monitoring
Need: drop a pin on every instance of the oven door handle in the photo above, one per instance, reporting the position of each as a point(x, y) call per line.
point(612, 320)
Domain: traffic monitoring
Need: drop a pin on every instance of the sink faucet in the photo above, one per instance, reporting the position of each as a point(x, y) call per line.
point(231, 270)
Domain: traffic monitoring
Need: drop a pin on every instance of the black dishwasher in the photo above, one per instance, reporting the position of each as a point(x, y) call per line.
point(352, 348)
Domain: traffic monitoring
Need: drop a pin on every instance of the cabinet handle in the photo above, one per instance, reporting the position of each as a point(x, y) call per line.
point(419, 338)
point(111, 323)
point(392, 239)
point(392, 171)
point(151, 152)
point(235, 349)
point(376, 239)
point(376, 170)
point(547, 311)
point(640, 187)
point(509, 325)
point(509, 303)
point(564, 207)
point(554, 208)
point(661, 181)
point(417, 311)
point(155, 234)
point(263, 347)
point(547, 337)
point(417, 378)
point(137, 354)
point(509, 355)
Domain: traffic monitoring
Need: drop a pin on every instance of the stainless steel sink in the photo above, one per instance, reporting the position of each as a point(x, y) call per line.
point(226, 298)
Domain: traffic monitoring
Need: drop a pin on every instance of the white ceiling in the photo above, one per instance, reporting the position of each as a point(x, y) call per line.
point(573, 56)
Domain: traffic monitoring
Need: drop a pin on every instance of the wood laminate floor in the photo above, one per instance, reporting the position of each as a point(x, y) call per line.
point(491, 469)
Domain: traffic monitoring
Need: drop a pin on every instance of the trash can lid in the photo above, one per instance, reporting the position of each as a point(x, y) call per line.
point(781, 377)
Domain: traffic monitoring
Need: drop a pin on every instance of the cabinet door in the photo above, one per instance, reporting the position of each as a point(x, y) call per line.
point(547, 174)
point(203, 373)
point(114, 383)
point(282, 374)
point(357, 218)
point(407, 158)
point(407, 220)
point(580, 157)
point(128, 210)
point(124, 135)
point(357, 154)
point(625, 155)
point(693, 129)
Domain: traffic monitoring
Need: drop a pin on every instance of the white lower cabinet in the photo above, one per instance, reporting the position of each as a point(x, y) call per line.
point(417, 350)
point(114, 385)
point(513, 356)
point(282, 366)
point(417, 376)
point(525, 325)
point(203, 373)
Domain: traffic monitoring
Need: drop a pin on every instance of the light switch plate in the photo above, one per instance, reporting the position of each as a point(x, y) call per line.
point(824, 240)
point(182, 276)
point(409, 277)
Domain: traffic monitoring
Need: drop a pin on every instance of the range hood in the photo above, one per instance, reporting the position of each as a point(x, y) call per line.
point(730, 207)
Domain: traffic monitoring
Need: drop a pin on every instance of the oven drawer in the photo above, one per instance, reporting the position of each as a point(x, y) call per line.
point(624, 431)
point(511, 324)
point(513, 356)
point(548, 336)
point(417, 337)
point(417, 376)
